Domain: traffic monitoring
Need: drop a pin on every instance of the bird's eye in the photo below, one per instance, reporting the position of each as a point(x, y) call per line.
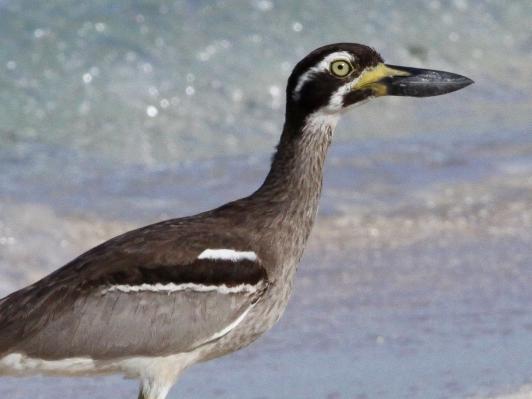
point(341, 68)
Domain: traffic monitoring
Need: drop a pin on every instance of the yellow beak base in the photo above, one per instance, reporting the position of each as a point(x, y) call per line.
point(370, 79)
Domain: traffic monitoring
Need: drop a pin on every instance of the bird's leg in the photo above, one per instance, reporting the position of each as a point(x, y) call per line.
point(160, 374)
point(153, 389)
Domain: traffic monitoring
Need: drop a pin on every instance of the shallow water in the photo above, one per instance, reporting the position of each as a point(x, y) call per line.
point(416, 280)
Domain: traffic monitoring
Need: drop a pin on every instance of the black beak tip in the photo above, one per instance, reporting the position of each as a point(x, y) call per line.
point(464, 82)
point(468, 81)
point(458, 83)
point(425, 82)
point(434, 83)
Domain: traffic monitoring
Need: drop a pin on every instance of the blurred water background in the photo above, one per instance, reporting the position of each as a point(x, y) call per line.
point(417, 279)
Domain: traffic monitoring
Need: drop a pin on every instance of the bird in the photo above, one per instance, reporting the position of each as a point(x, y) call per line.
point(156, 300)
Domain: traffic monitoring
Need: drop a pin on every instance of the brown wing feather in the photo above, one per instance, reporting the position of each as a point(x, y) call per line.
point(66, 313)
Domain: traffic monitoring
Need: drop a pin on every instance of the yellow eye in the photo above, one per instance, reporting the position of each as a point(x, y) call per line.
point(341, 68)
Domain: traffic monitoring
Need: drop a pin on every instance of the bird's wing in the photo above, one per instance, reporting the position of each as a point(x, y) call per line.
point(133, 295)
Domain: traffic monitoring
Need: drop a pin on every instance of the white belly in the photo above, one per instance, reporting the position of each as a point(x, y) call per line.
point(17, 364)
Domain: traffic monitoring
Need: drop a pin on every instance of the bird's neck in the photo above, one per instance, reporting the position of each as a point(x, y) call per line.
point(293, 185)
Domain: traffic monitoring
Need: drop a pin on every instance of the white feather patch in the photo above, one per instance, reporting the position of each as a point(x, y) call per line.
point(171, 287)
point(228, 254)
point(319, 121)
point(20, 364)
point(336, 102)
point(166, 368)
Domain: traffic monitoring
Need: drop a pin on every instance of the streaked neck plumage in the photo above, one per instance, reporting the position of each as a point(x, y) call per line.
point(292, 188)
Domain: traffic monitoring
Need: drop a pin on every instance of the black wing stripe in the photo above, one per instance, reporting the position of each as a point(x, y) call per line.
point(202, 271)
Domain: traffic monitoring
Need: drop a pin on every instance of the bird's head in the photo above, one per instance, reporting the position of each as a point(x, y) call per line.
point(334, 77)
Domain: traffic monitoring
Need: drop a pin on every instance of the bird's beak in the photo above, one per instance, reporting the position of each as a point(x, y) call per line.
point(393, 80)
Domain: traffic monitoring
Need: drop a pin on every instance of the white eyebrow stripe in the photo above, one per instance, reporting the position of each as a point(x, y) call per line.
point(171, 287)
point(228, 254)
point(321, 66)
